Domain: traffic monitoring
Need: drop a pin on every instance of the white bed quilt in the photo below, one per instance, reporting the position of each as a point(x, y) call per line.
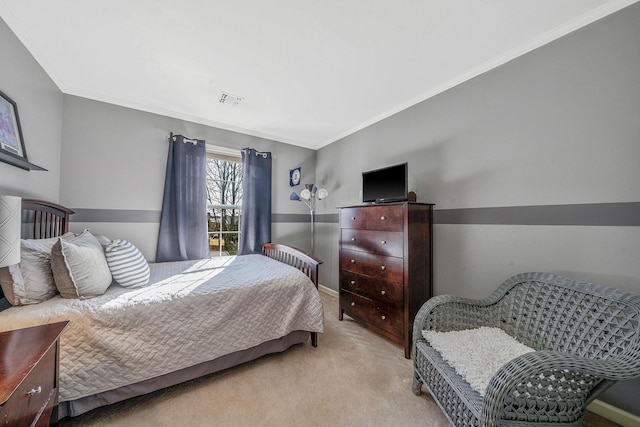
point(191, 312)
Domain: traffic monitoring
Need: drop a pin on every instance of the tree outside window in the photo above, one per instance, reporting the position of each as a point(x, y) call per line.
point(224, 200)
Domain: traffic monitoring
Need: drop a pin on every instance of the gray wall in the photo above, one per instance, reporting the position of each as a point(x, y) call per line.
point(556, 131)
point(113, 167)
point(39, 104)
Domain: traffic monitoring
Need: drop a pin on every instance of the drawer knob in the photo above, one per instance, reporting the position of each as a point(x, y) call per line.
point(353, 239)
point(384, 317)
point(383, 292)
point(382, 218)
point(34, 391)
point(353, 261)
point(383, 267)
point(353, 218)
point(353, 304)
point(353, 282)
point(384, 242)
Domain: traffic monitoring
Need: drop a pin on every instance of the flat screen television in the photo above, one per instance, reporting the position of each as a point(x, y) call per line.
point(384, 185)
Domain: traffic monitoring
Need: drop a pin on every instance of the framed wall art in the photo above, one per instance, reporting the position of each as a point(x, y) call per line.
point(12, 148)
point(294, 176)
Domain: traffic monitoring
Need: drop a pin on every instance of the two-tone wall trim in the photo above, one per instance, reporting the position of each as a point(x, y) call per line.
point(115, 215)
point(596, 214)
point(325, 218)
point(623, 214)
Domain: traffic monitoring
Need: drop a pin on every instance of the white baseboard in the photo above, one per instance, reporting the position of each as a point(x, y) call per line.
point(328, 291)
point(610, 412)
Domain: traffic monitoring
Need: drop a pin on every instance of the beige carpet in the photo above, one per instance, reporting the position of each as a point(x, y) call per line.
point(353, 378)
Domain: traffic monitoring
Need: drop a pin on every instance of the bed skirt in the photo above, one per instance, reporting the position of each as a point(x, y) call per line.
point(80, 406)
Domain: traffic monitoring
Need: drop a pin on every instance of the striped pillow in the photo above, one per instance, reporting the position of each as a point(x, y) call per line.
point(128, 266)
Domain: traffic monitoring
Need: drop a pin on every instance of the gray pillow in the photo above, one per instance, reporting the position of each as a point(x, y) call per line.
point(31, 281)
point(79, 267)
point(7, 282)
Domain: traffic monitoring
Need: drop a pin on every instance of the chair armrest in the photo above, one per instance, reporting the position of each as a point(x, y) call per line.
point(550, 382)
point(451, 313)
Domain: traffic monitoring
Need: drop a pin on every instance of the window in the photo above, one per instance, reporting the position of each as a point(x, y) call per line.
point(224, 200)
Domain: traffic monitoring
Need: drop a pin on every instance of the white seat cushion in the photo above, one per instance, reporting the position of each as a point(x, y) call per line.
point(476, 354)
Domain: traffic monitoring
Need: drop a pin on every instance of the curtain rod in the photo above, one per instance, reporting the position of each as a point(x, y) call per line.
point(172, 137)
point(264, 154)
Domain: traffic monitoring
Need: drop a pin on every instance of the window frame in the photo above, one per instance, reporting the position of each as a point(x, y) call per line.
point(226, 155)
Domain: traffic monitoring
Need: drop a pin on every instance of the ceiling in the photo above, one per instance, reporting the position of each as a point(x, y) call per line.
point(309, 72)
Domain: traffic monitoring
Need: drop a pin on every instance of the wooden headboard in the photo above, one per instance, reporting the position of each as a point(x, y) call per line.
point(43, 220)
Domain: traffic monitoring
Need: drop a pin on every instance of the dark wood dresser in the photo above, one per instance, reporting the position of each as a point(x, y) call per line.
point(29, 375)
point(386, 266)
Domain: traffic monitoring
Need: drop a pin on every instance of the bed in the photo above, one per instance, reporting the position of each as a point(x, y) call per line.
point(193, 318)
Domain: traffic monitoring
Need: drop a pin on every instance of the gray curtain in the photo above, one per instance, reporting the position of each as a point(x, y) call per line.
point(255, 224)
point(183, 221)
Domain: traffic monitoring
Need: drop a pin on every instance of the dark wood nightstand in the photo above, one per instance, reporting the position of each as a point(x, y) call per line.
point(29, 375)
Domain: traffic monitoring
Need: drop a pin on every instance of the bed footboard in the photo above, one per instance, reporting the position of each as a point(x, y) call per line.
point(298, 259)
point(295, 258)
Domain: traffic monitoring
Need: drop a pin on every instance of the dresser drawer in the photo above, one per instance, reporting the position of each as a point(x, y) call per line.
point(382, 218)
point(376, 266)
point(35, 395)
point(390, 293)
point(384, 317)
point(385, 218)
point(390, 243)
point(353, 218)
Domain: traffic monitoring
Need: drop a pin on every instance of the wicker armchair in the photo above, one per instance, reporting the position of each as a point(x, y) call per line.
point(586, 337)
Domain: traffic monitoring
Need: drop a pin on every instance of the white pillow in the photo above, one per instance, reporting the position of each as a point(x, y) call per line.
point(128, 266)
point(104, 240)
point(31, 281)
point(79, 267)
point(476, 354)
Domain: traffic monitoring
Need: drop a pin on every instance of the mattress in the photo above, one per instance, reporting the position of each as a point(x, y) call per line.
point(190, 313)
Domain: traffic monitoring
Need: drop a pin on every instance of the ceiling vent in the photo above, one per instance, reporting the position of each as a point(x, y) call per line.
point(227, 98)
